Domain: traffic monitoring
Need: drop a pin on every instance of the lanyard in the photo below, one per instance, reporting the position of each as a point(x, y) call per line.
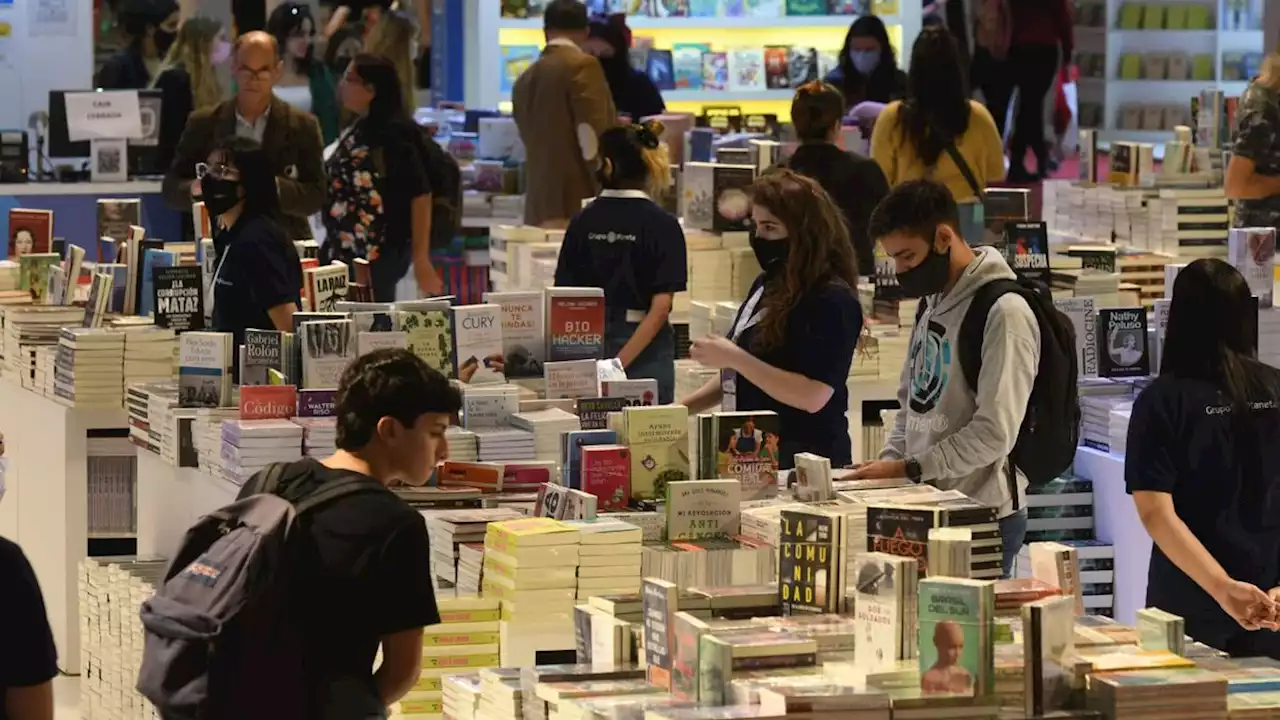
point(213, 283)
point(748, 317)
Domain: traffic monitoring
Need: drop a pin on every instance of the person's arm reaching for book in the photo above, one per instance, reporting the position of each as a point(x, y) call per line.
point(304, 194)
point(28, 658)
point(895, 445)
point(705, 397)
point(1151, 476)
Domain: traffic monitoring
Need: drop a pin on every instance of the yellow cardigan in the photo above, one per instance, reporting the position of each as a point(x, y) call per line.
point(980, 146)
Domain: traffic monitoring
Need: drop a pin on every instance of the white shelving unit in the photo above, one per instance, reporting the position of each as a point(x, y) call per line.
point(1114, 43)
point(484, 55)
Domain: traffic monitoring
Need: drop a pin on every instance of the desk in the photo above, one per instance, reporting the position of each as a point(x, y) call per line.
point(171, 499)
point(75, 208)
point(1116, 521)
point(45, 509)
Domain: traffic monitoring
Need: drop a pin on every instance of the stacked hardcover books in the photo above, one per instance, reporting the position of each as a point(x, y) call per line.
point(150, 355)
point(110, 592)
point(608, 558)
point(319, 436)
point(1060, 510)
point(251, 445)
point(548, 427)
point(532, 565)
point(462, 696)
point(89, 368)
point(500, 695)
point(448, 530)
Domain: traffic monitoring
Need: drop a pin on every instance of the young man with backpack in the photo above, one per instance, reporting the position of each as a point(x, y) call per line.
point(986, 354)
point(276, 606)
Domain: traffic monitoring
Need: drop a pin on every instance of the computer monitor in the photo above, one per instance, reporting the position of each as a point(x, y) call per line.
point(143, 151)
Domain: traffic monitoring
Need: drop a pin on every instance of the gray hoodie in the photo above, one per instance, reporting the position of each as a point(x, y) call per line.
point(960, 437)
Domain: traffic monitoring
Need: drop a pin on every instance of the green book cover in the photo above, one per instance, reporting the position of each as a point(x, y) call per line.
point(956, 639)
point(1176, 17)
point(1130, 66)
point(806, 7)
point(1131, 16)
point(33, 273)
point(1153, 17)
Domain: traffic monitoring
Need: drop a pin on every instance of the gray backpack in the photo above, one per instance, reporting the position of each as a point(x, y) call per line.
point(220, 637)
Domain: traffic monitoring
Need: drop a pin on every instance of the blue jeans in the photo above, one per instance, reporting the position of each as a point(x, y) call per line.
point(657, 361)
point(1013, 530)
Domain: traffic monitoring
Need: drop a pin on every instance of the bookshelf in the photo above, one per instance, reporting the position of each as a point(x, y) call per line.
point(1119, 49)
point(483, 55)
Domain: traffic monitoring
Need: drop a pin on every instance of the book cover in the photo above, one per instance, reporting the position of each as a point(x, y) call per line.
point(119, 274)
point(575, 324)
point(878, 582)
point(430, 336)
point(263, 351)
point(807, 7)
point(641, 391)
point(114, 218)
point(660, 600)
point(812, 478)
point(524, 337)
point(955, 636)
point(606, 473)
point(658, 68)
point(715, 71)
point(204, 369)
point(1027, 249)
point(732, 206)
point(1048, 628)
point(699, 509)
point(901, 530)
point(99, 296)
point(777, 74)
point(746, 69)
point(593, 412)
point(810, 561)
point(263, 402)
point(153, 260)
point(746, 449)
point(73, 264)
point(802, 64)
point(659, 440)
point(571, 444)
point(33, 274)
point(325, 286)
point(328, 346)
point(317, 403)
point(201, 221)
point(30, 232)
point(367, 342)
point(1253, 252)
point(178, 297)
point(1084, 318)
point(1126, 333)
point(477, 344)
point(686, 61)
point(571, 379)
point(515, 60)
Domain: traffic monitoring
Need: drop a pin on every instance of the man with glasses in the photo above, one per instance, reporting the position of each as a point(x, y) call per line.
point(290, 137)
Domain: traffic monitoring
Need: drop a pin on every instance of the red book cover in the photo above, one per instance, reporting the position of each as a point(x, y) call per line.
point(532, 476)
point(265, 402)
point(30, 231)
point(483, 476)
point(306, 263)
point(606, 473)
point(575, 327)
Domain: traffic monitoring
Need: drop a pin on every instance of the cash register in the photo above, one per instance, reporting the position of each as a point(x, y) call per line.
point(15, 156)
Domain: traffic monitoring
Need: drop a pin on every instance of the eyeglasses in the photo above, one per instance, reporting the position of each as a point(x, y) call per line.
point(217, 171)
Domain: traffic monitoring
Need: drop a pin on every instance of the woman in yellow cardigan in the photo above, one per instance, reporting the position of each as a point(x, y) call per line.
point(923, 136)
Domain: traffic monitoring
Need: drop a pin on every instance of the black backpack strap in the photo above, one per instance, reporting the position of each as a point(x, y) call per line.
point(348, 484)
point(974, 325)
point(954, 153)
point(265, 481)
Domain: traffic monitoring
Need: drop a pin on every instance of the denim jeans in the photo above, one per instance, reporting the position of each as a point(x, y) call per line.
point(1013, 530)
point(657, 361)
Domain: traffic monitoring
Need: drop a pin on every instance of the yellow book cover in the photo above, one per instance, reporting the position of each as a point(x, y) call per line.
point(524, 558)
point(1131, 16)
point(461, 661)
point(528, 532)
point(493, 563)
point(421, 707)
point(427, 683)
point(470, 638)
point(1153, 17)
point(651, 424)
point(444, 652)
point(1175, 17)
point(468, 616)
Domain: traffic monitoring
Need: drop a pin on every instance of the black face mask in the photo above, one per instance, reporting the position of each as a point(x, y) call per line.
point(219, 195)
point(927, 278)
point(164, 40)
point(771, 254)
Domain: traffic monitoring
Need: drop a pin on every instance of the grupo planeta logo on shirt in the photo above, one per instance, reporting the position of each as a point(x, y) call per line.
point(611, 237)
point(930, 366)
point(1254, 406)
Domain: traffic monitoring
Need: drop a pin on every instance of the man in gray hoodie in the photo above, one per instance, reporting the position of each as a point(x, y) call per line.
point(947, 433)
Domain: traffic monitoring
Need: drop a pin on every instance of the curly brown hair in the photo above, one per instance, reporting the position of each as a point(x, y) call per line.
point(819, 251)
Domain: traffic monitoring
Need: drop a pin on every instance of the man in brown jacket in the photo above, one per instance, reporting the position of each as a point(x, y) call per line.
point(291, 138)
point(561, 105)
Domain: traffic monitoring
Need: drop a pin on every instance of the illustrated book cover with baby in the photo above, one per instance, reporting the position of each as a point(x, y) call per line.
point(956, 640)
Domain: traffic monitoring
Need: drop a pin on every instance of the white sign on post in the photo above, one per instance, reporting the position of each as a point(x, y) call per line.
point(103, 115)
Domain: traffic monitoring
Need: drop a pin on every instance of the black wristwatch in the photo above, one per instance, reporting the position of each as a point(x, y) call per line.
point(913, 469)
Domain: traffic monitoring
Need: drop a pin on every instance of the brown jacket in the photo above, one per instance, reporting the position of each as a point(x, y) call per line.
point(564, 90)
point(292, 143)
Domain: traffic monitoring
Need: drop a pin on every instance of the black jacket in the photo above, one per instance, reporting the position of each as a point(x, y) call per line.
point(634, 94)
point(126, 70)
point(857, 184)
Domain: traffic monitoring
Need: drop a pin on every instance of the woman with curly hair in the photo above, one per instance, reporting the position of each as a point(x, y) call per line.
point(790, 346)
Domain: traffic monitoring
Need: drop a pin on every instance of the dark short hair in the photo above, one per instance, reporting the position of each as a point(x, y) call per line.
point(917, 208)
point(389, 383)
point(378, 72)
point(284, 20)
point(257, 175)
point(565, 15)
point(816, 108)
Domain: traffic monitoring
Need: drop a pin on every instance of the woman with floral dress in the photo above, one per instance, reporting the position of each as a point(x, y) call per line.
point(379, 204)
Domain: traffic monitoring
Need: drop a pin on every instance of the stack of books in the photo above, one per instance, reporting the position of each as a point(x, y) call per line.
point(1012, 594)
point(251, 445)
point(206, 435)
point(501, 445)
point(489, 405)
point(462, 696)
point(1104, 421)
point(145, 424)
point(723, 657)
point(465, 641)
point(462, 444)
point(27, 327)
point(470, 569)
point(534, 676)
point(500, 695)
point(89, 368)
point(1146, 694)
point(1097, 575)
point(1060, 510)
point(150, 355)
point(111, 589)
point(319, 435)
point(547, 426)
point(608, 557)
point(531, 565)
point(450, 529)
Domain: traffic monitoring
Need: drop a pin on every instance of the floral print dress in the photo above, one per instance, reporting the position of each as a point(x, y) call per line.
point(355, 218)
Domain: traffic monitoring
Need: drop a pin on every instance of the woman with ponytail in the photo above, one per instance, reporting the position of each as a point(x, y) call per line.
point(625, 243)
point(1202, 466)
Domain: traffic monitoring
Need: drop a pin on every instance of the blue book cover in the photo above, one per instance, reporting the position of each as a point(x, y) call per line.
point(152, 260)
point(686, 60)
point(515, 60)
point(119, 281)
point(570, 443)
